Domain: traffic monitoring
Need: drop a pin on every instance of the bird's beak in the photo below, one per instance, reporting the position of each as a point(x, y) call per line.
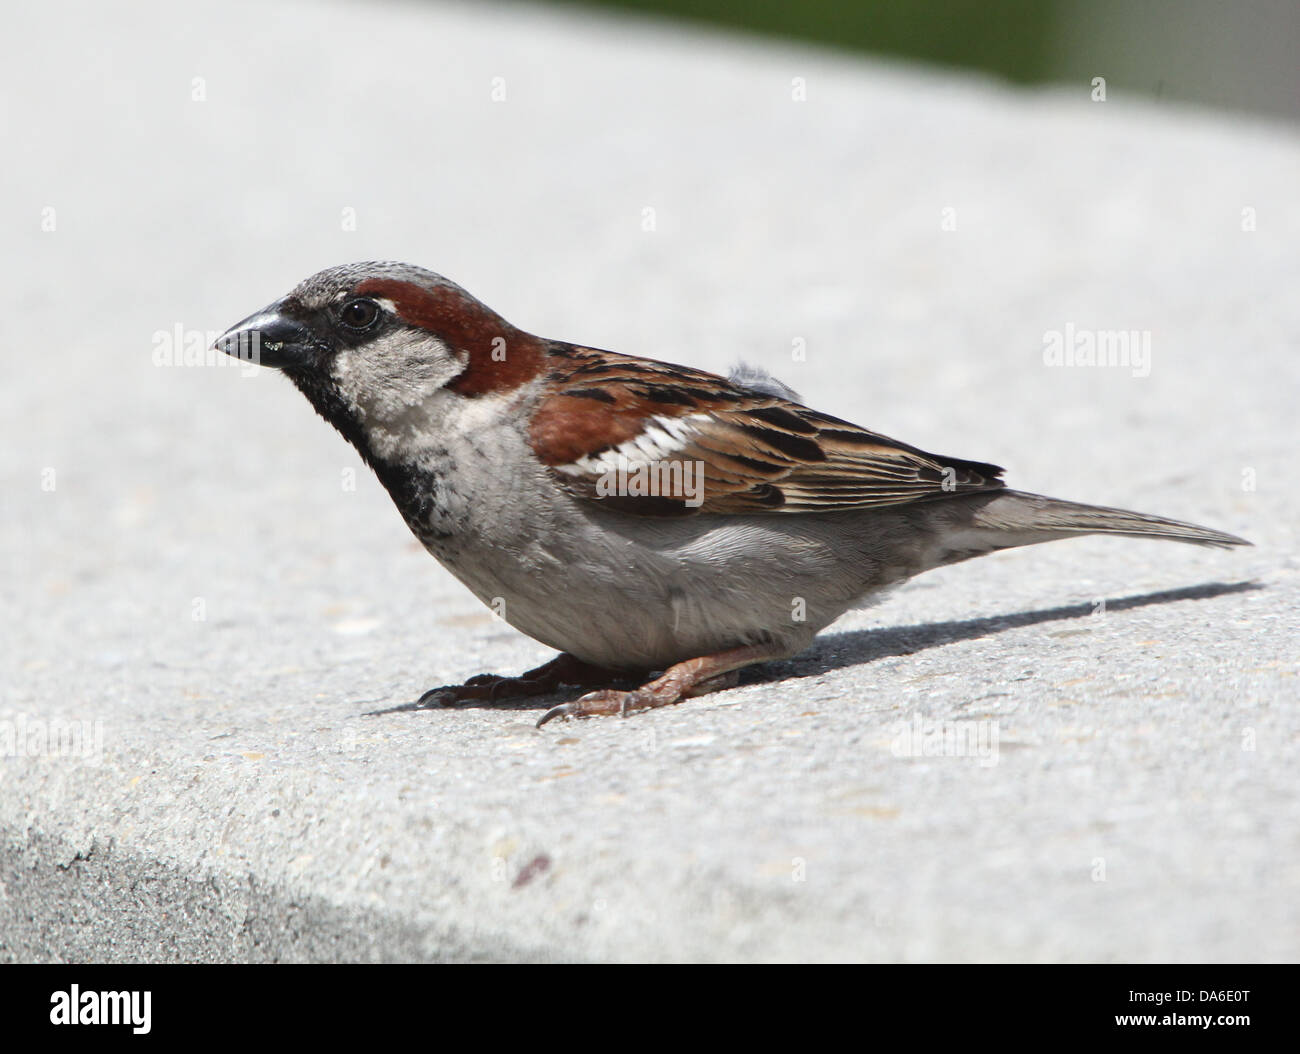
point(271, 337)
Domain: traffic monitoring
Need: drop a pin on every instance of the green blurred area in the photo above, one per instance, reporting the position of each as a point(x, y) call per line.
point(1006, 37)
point(1237, 55)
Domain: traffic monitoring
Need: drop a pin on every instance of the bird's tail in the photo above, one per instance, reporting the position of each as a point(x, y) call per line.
point(1031, 518)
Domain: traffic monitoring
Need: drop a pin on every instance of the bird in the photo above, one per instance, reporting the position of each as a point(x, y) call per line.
point(660, 526)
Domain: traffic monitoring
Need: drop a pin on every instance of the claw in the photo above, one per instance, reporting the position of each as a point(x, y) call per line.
point(563, 710)
point(433, 699)
point(604, 703)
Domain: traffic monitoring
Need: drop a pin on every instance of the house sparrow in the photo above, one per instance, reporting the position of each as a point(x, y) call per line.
point(636, 515)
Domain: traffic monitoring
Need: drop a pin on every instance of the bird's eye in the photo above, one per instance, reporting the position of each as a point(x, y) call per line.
point(359, 314)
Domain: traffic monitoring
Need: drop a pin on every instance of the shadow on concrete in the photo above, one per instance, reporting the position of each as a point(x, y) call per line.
point(836, 650)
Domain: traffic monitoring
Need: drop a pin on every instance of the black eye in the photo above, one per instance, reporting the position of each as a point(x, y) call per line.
point(359, 314)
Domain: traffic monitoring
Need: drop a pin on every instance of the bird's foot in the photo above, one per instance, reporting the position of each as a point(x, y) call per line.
point(489, 687)
point(694, 677)
point(649, 697)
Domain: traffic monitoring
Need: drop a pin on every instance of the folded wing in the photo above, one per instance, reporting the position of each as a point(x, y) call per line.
point(652, 438)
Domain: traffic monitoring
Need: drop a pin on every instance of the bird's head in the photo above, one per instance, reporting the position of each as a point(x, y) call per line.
point(373, 345)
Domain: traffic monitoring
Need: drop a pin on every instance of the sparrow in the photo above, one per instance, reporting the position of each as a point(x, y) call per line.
point(640, 517)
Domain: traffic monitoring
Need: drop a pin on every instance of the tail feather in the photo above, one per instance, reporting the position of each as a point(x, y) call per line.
point(1035, 515)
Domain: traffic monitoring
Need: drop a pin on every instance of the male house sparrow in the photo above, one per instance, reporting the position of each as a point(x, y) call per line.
point(636, 515)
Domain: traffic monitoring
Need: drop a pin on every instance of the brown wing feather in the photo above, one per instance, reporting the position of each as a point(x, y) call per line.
point(757, 453)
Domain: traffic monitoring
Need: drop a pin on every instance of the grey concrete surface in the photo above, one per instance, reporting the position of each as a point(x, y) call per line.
point(189, 569)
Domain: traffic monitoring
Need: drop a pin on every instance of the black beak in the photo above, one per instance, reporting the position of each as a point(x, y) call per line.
point(271, 337)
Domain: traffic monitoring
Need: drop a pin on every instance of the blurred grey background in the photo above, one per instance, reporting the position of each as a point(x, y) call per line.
point(1234, 55)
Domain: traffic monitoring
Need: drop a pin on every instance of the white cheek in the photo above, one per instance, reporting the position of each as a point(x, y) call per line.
point(394, 389)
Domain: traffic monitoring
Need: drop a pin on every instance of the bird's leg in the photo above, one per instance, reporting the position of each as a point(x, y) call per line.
point(690, 678)
point(563, 669)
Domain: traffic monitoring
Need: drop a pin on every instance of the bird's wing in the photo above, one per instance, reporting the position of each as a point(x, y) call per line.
point(652, 438)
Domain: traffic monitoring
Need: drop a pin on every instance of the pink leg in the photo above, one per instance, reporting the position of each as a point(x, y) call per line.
point(690, 678)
